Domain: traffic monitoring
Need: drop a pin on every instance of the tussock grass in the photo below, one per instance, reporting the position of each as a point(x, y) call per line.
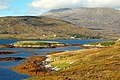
point(90, 64)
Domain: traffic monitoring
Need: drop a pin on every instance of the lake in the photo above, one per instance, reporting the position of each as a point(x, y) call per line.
point(5, 67)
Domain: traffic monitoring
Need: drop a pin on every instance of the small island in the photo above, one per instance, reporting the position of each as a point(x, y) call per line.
point(103, 44)
point(38, 44)
point(11, 59)
point(7, 52)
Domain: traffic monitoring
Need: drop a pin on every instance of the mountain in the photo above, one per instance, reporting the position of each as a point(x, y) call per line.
point(104, 20)
point(31, 27)
point(87, 64)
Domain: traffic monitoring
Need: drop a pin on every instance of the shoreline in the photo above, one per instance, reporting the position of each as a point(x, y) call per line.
point(32, 66)
point(12, 59)
point(48, 47)
point(36, 65)
point(2, 52)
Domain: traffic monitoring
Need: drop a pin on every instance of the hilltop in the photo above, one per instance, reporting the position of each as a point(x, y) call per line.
point(104, 20)
point(31, 27)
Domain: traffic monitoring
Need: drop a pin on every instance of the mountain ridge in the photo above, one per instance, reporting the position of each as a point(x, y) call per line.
point(104, 20)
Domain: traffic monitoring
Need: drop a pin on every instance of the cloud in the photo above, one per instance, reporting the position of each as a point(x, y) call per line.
point(53, 4)
point(105, 3)
point(35, 11)
point(4, 4)
point(3, 7)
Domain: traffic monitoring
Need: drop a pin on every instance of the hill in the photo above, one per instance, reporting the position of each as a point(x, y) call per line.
point(104, 20)
point(90, 64)
point(31, 27)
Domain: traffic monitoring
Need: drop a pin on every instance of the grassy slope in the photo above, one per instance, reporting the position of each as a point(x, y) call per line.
point(91, 64)
point(29, 27)
point(106, 43)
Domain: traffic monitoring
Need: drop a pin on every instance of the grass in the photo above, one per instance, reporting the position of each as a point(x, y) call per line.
point(90, 64)
point(107, 43)
point(39, 28)
point(40, 43)
point(83, 36)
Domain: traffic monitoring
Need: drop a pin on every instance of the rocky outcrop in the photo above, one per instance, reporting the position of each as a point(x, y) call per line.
point(11, 59)
point(32, 66)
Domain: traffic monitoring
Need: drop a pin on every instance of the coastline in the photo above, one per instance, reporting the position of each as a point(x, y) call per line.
point(12, 59)
point(33, 63)
point(2, 52)
point(32, 66)
point(36, 65)
point(41, 65)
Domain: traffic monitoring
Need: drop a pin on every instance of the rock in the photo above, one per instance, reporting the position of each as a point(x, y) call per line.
point(11, 59)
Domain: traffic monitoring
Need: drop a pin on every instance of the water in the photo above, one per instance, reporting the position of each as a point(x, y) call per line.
point(42, 52)
point(9, 63)
point(8, 74)
point(20, 53)
point(5, 67)
point(78, 41)
point(5, 41)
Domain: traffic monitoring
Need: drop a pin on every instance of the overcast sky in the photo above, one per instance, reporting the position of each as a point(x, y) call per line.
point(37, 7)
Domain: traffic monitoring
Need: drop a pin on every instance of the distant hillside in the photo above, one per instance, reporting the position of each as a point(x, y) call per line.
point(103, 20)
point(30, 27)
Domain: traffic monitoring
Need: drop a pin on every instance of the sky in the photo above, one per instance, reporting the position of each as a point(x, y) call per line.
point(37, 7)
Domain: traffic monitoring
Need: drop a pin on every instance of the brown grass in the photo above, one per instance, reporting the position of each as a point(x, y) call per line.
point(91, 64)
point(31, 67)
